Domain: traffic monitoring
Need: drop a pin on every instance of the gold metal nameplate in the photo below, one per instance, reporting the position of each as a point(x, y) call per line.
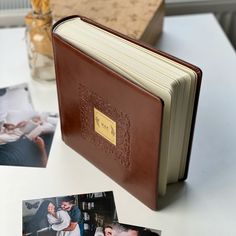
point(105, 126)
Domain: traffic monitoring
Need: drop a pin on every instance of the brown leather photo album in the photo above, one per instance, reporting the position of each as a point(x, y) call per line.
point(124, 106)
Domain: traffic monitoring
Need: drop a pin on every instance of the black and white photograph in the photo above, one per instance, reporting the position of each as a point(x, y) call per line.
point(25, 134)
point(74, 215)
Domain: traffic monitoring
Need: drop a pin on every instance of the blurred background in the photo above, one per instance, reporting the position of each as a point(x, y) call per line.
point(12, 12)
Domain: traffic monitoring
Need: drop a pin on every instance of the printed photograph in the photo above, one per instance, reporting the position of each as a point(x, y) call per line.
point(76, 215)
point(118, 229)
point(25, 134)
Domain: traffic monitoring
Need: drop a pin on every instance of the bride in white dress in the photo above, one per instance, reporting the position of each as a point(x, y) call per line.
point(60, 220)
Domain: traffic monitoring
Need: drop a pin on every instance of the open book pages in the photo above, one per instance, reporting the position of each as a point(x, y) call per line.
point(173, 82)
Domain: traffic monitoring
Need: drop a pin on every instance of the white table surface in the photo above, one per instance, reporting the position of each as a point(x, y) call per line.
point(205, 204)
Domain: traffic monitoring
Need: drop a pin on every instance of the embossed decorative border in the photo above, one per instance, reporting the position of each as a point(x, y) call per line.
point(88, 100)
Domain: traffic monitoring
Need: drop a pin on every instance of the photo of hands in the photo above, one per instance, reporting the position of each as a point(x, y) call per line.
point(25, 134)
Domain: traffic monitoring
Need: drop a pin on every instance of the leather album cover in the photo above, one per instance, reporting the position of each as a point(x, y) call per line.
point(109, 120)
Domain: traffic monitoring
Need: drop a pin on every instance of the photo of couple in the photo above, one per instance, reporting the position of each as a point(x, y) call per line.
point(92, 214)
point(66, 220)
point(77, 215)
point(25, 135)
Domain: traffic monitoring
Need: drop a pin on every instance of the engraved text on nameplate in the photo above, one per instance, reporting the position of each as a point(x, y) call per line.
point(105, 126)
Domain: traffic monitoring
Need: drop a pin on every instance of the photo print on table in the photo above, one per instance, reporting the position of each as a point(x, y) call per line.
point(25, 134)
point(119, 229)
point(75, 215)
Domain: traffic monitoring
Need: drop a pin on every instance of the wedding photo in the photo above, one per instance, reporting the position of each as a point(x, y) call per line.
point(25, 134)
point(74, 215)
